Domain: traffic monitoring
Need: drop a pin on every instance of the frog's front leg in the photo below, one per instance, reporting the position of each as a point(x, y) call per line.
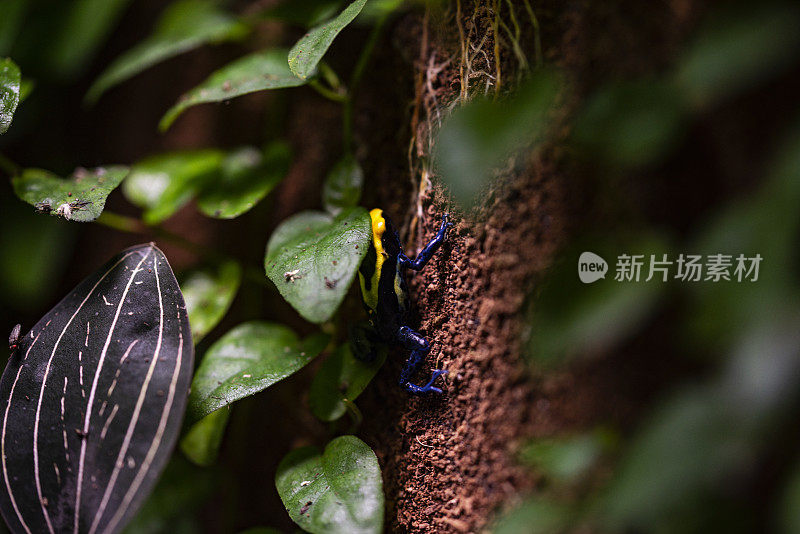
point(419, 347)
point(430, 249)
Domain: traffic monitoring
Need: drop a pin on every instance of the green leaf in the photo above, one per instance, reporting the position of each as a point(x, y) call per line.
point(201, 443)
point(343, 185)
point(11, 14)
point(180, 493)
point(313, 257)
point(477, 138)
point(340, 380)
point(308, 51)
point(79, 198)
point(208, 294)
point(26, 87)
point(573, 319)
point(789, 512)
point(247, 360)
point(631, 123)
point(9, 92)
point(536, 516)
point(86, 26)
point(739, 47)
point(256, 72)
point(303, 13)
point(566, 458)
point(184, 26)
point(246, 176)
point(163, 184)
point(337, 491)
point(36, 251)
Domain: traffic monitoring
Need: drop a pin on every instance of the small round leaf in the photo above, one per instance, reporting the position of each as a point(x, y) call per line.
point(338, 491)
point(80, 198)
point(247, 360)
point(313, 257)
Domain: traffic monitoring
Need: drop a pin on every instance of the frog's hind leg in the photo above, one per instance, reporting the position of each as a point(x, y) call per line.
point(419, 348)
point(364, 342)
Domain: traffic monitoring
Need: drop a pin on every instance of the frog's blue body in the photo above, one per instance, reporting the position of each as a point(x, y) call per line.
point(385, 295)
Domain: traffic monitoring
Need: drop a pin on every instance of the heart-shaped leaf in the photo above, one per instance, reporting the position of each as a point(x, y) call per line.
point(162, 184)
point(246, 177)
point(184, 26)
point(343, 185)
point(256, 72)
point(312, 258)
point(201, 442)
point(308, 51)
point(339, 490)
point(247, 360)
point(93, 399)
point(340, 379)
point(81, 197)
point(208, 294)
point(10, 78)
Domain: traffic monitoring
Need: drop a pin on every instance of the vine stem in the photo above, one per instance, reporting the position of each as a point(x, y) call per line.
point(11, 168)
point(355, 79)
point(327, 92)
point(131, 225)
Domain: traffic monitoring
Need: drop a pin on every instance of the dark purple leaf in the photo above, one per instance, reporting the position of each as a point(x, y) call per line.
point(93, 397)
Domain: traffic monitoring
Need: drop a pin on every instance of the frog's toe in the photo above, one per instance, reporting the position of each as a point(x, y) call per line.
point(427, 388)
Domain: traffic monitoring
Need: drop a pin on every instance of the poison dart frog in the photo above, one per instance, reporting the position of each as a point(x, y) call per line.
point(385, 295)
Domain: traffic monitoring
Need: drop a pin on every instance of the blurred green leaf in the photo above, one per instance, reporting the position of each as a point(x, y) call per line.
point(180, 492)
point(566, 458)
point(85, 27)
point(631, 123)
point(681, 454)
point(338, 491)
point(572, 318)
point(303, 13)
point(201, 442)
point(747, 226)
point(343, 185)
point(375, 10)
point(740, 46)
point(341, 378)
point(478, 137)
point(246, 176)
point(35, 252)
point(309, 50)
point(245, 361)
point(790, 504)
point(313, 257)
point(208, 294)
point(26, 87)
point(9, 92)
point(184, 25)
point(261, 530)
point(81, 197)
point(162, 184)
point(536, 516)
point(12, 12)
point(256, 72)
